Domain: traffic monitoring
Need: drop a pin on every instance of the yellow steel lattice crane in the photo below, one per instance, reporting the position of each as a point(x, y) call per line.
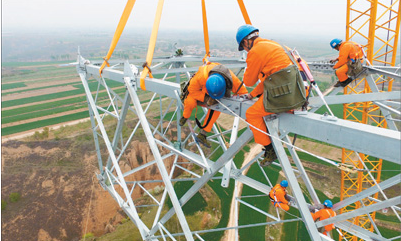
point(376, 25)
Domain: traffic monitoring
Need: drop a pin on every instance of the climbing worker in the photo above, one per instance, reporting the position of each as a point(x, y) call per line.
point(210, 83)
point(349, 63)
point(323, 214)
point(279, 197)
point(280, 88)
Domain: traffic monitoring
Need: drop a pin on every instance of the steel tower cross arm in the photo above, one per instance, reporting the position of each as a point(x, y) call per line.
point(223, 159)
point(272, 126)
point(354, 136)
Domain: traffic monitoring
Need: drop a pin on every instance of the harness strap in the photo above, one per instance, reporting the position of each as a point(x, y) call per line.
point(207, 121)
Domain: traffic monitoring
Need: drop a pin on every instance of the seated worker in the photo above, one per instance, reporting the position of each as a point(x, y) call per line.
point(323, 214)
point(211, 82)
point(278, 196)
point(270, 63)
point(348, 52)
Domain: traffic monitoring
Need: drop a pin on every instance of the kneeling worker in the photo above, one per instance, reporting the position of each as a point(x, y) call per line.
point(278, 196)
point(211, 82)
point(350, 53)
point(323, 214)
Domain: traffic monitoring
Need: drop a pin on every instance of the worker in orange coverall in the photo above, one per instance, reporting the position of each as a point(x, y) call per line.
point(278, 196)
point(211, 82)
point(323, 214)
point(348, 51)
point(265, 57)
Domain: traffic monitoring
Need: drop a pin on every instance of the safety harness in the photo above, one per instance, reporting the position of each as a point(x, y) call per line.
point(275, 201)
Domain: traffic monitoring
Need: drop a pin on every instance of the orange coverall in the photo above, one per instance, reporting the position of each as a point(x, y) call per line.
point(348, 50)
point(197, 91)
point(323, 214)
point(265, 58)
point(277, 197)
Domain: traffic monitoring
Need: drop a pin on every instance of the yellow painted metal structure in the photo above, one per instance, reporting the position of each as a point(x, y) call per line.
point(375, 25)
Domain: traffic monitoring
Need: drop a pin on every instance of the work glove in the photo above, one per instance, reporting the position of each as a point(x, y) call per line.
point(333, 61)
point(209, 100)
point(246, 97)
point(287, 197)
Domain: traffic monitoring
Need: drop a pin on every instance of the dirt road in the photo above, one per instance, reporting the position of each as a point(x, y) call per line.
point(229, 235)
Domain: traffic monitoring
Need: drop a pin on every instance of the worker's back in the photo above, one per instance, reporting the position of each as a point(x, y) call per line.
point(323, 214)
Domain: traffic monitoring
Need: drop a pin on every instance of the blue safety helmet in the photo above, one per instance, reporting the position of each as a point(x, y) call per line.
point(335, 42)
point(216, 86)
point(328, 203)
point(284, 183)
point(244, 31)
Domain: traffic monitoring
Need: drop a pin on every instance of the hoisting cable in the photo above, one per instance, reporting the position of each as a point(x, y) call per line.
point(244, 12)
point(205, 32)
point(117, 34)
point(341, 166)
point(152, 45)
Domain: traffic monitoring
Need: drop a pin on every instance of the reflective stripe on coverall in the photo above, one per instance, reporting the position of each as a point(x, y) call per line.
point(265, 58)
point(197, 91)
point(277, 196)
point(347, 51)
point(323, 214)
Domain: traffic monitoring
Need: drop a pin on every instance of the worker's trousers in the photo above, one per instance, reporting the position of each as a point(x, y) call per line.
point(254, 116)
point(342, 73)
point(190, 104)
point(282, 206)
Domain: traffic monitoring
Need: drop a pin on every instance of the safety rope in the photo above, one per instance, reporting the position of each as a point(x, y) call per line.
point(89, 208)
point(117, 34)
point(341, 166)
point(244, 12)
point(152, 45)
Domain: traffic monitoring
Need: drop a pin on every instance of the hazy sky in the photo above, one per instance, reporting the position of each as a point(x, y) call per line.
point(307, 17)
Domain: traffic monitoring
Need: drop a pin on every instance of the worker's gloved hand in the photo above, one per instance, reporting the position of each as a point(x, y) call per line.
point(246, 97)
point(287, 197)
point(333, 61)
point(249, 96)
point(209, 100)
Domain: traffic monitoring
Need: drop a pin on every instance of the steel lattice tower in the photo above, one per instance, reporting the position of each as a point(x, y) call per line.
point(138, 100)
point(375, 25)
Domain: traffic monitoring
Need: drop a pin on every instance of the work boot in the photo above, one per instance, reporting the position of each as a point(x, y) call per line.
point(183, 120)
point(338, 84)
point(346, 82)
point(202, 138)
point(269, 157)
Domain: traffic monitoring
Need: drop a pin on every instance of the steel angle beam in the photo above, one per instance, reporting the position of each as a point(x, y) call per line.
point(272, 126)
point(360, 211)
point(359, 232)
point(386, 73)
point(368, 192)
point(193, 69)
point(221, 161)
point(351, 135)
point(343, 99)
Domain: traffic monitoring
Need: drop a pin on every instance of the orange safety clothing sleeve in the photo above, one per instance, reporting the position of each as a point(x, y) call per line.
point(347, 51)
point(254, 116)
point(197, 91)
point(265, 58)
point(323, 214)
